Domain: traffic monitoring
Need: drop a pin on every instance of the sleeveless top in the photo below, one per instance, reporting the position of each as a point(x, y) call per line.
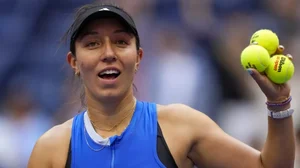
point(136, 147)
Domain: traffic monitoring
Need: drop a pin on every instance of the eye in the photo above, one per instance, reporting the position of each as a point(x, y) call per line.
point(122, 42)
point(92, 45)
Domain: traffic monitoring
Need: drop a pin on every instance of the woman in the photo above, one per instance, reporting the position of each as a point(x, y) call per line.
point(119, 131)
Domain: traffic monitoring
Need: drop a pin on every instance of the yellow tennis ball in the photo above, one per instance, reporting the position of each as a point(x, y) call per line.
point(255, 56)
point(280, 70)
point(267, 39)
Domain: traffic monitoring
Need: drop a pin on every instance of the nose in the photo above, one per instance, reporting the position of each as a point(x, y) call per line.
point(108, 54)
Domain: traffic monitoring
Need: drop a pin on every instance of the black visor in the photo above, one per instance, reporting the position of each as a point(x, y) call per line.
point(98, 12)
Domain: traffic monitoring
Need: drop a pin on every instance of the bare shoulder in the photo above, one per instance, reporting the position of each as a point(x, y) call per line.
point(56, 135)
point(52, 147)
point(181, 113)
point(181, 124)
point(185, 116)
point(59, 130)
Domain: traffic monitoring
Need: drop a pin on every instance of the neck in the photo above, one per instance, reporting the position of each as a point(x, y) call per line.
point(109, 112)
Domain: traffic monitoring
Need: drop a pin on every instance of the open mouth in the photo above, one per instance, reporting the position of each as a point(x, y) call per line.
point(109, 74)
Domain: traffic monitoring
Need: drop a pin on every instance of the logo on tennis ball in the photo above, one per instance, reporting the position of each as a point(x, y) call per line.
point(254, 38)
point(279, 63)
point(250, 66)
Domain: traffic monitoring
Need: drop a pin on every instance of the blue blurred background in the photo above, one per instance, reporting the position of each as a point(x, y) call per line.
point(192, 56)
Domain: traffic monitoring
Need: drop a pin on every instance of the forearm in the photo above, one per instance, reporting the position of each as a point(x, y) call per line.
point(279, 149)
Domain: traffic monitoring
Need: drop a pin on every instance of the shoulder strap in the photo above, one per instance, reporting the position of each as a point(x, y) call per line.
point(69, 158)
point(163, 151)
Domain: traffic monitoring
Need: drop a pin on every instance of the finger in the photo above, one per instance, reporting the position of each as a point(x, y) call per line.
point(290, 57)
point(259, 78)
point(280, 49)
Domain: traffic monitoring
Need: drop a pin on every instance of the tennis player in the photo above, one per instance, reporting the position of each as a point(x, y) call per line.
point(119, 131)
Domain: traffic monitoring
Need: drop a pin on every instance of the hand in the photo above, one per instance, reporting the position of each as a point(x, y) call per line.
point(274, 92)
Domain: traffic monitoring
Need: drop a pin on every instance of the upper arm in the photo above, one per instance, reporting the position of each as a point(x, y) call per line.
point(214, 148)
point(51, 149)
point(41, 154)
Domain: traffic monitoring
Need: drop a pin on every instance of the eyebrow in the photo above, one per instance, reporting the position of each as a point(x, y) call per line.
point(123, 31)
point(88, 33)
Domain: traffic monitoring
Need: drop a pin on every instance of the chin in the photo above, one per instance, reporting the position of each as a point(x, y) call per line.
point(111, 94)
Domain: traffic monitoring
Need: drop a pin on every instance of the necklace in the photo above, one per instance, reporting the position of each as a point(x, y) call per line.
point(106, 143)
point(117, 124)
point(88, 144)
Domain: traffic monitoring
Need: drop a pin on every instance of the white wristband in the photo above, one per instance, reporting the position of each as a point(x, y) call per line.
point(280, 114)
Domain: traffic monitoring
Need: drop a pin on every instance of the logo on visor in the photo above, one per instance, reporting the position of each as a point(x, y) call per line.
point(104, 9)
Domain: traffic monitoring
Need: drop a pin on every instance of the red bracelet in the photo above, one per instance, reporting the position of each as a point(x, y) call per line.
point(287, 101)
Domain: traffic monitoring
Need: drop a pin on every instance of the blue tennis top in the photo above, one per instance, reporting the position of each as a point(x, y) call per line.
point(134, 148)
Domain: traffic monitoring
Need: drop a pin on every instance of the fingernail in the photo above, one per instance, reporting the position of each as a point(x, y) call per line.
point(250, 72)
point(290, 56)
point(281, 47)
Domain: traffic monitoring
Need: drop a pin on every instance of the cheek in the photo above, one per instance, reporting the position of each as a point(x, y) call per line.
point(130, 64)
point(87, 63)
point(85, 66)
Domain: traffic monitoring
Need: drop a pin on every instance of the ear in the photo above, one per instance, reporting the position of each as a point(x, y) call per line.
point(139, 57)
point(72, 62)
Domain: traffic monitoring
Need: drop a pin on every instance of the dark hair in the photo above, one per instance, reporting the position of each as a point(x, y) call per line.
point(80, 11)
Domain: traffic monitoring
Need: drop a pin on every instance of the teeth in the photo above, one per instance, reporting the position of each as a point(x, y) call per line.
point(108, 72)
